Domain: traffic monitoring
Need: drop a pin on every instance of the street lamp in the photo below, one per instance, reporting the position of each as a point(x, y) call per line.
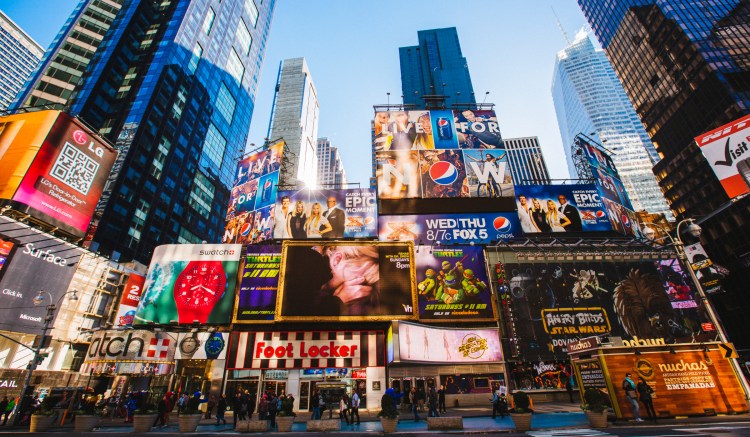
point(39, 300)
point(695, 231)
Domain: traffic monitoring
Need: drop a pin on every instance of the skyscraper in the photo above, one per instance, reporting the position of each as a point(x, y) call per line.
point(331, 173)
point(685, 66)
point(295, 119)
point(71, 51)
point(435, 72)
point(172, 84)
point(526, 161)
point(589, 98)
point(19, 55)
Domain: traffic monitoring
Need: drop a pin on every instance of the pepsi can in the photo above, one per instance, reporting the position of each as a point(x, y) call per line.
point(444, 129)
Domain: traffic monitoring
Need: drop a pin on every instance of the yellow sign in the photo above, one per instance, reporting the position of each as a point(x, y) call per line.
point(727, 350)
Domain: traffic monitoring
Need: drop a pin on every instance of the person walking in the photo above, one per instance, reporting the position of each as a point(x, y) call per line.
point(413, 396)
point(421, 396)
point(441, 400)
point(432, 403)
point(495, 403)
point(221, 407)
point(210, 405)
point(248, 401)
point(315, 406)
point(355, 406)
point(344, 408)
point(645, 393)
point(263, 407)
point(631, 394)
point(162, 412)
point(272, 409)
point(569, 388)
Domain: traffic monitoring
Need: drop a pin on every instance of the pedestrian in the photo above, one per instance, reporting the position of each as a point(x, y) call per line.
point(221, 407)
point(503, 405)
point(415, 404)
point(355, 406)
point(421, 395)
point(182, 403)
point(315, 406)
point(3, 408)
point(432, 402)
point(569, 388)
point(631, 394)
point(344, 408)
point(249, 401)
point(645, 393)
point(272, 409)
point(441, 399)
point(162, 409)
point(495, 403)
point(263, 407)
point(210, 405)
point(130, 406)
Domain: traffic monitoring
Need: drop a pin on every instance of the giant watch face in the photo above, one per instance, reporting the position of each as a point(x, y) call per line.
point(200, 285)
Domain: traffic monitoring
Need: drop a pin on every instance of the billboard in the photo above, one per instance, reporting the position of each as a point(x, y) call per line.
point(561, 208)
point(253, 197)
point(346, 281)
point(189, 283)
point(421, 343)
point(6, 249)
point(130, 352)
point(63, 177)
point(131, 295)
point(554, 304)
point(327, 214)
point(726, 150)
point(201, 346)
point(259, 284)
point(452, 284)
point(440, 154)
point(40, 262)
point(446, 229)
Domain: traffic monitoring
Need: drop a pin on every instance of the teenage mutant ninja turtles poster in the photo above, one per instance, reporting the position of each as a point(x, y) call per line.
point(557, 303)
point(452, 284)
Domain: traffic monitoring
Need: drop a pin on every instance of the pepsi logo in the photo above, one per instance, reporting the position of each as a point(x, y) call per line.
point(80, 137)
point(443, 173)
point(600, 213)
point(245, 229)
point(625, 220)
point(442, 122)
point(501, 224)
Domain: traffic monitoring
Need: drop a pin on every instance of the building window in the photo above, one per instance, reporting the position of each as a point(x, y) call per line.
point(225, 104)
point(208, 22)
point(213, 148)
point(157, 165)
point(187, 237)
point(244, 40)
point(195, 58)
point(139, 218)
point(201, 195)
point(235, 67)
point(252, 12)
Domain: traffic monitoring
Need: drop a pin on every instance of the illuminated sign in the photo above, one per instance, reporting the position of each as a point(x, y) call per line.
point(726, 151)
point(423, 343)
point(446, 229)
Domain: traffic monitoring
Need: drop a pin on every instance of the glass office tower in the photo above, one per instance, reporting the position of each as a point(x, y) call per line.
point(173, 85)
point(19, 54)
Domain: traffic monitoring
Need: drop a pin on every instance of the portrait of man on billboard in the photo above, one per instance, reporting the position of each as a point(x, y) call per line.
point(346, 281)
point(335, 217)
point(478, 130)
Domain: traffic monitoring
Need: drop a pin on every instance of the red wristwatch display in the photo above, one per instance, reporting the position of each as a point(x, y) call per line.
point(197, 289)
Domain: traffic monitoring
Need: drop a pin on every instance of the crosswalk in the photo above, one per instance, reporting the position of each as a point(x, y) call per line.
point(579, 432)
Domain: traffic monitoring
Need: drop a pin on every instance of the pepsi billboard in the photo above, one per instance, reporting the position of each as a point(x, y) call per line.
point(546, 209)
point(445, 229)
point(253, 197)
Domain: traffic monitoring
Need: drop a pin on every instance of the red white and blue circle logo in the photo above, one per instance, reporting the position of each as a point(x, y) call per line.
point(501, 224)
point(600, 214)
point(245, 229)
point(443, 173)
point(443, 122)
point(625, 220)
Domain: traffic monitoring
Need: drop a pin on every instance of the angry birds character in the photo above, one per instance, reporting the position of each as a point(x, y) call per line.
point(472, 285)
point(450, 291)
point(428, 286)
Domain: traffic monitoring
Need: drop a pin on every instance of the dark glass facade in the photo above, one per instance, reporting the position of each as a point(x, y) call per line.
point(435, 67)
point(685, 67)
point(173, 86)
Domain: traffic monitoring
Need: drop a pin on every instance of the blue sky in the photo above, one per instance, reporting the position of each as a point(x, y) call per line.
point(351, 47)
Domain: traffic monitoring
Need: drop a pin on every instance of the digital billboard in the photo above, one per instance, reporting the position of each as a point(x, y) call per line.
point(598, 159)
point(6, 249)
point(446, 229)
point(726, 150)
point(189, 283)
point(326, 214)
point(40, 262)
point(544, 209)
point(346, 281)
point(553, 304)
point(63, 177)
point(253, 197)
point(131, 295)
point(421, 343)
point(452, 284)
point(201, 346)
point(259, 284)
point(440, 154)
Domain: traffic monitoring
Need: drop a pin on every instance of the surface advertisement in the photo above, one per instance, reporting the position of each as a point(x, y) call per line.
point(346, 281)
point(40, 262)
point(189, 283)
point(554, 304)
point(6, 248)
point(421, 343)
point(253, 197)
point(65, 180)
point(259, 284)
point(447, 229)
point(561, 208)
point(326, 214)
point(131, 295)
point(452, 284)
point(726, 150)
point(440, 154)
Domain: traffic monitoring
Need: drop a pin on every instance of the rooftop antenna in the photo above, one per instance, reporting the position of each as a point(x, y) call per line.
point(565, 34)
point(389, 99)
point(485, 96)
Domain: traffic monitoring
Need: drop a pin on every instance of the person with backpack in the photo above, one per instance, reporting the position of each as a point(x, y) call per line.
point(354, 406)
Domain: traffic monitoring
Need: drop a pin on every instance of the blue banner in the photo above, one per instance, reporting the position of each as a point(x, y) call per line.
point(561, 208)
point(477, 228)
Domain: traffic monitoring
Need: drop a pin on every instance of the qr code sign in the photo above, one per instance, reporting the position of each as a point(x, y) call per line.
point(75, 169)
